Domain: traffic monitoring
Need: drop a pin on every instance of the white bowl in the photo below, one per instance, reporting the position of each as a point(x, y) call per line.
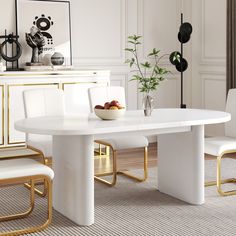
point(106, 114)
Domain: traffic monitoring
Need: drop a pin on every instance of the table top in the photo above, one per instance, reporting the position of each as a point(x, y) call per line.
point(89, 124)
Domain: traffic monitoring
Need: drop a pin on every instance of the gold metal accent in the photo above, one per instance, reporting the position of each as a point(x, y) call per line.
point(219, 181)
point(70, 83)
point(114, 173)
point(12, 146)
point(8, 106)
point(46, 161)
point(3, 118)
point(29, 230)
point(103, 151)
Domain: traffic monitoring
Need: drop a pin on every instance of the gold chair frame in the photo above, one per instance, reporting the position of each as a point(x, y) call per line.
point(114, 173)
point(100, 153)
point(32, 180)
point(45, 161)
point(219, 181)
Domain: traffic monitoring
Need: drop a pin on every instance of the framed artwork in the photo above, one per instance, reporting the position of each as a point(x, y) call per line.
point(52, 18)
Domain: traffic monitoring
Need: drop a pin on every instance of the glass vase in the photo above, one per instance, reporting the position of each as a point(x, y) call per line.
point(147, 105)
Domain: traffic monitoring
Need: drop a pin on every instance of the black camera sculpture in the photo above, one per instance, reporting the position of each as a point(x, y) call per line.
point(177, 58)
point(15, 50)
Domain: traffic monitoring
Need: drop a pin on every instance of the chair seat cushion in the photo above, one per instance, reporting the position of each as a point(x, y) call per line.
point(16, 168)
point(134, 141)
point(217, 145)
point(43, 144)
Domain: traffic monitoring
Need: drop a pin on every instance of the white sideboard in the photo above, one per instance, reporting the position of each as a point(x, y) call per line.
point(75, 83)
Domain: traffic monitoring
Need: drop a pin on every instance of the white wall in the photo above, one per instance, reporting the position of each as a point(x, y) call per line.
point(209, 57)
point(100, 29)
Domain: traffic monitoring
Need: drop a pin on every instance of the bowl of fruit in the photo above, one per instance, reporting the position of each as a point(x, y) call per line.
point(110, 111)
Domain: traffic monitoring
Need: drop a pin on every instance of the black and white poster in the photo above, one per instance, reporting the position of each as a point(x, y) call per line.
point(52, 18)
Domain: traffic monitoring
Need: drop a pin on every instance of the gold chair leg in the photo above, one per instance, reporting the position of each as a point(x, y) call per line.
point(219, 181)
point(101, 151)
point(113, 173)
point(37, 191)
point(145, 169)
point(32, 197)
point(224, 181)
point(107, 151)
point(46, 162)
point(24, 214)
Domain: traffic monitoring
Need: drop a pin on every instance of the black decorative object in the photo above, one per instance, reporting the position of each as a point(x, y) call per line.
point(57, 59)
point(12, 55)
point(44, 23)
point(35, 40)
point(177, 58)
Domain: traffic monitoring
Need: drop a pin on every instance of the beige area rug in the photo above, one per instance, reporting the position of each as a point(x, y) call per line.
point(136, 209)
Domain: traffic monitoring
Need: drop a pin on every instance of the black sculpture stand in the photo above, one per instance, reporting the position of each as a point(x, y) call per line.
point(12, 40)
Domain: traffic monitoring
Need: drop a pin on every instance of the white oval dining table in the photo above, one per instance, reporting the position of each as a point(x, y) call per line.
point(180, 153)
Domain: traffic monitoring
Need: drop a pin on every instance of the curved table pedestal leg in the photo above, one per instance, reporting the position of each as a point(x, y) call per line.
point(73, 184)
point(181, 165)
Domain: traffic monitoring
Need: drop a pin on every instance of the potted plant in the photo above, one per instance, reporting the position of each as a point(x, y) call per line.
point(149, 74)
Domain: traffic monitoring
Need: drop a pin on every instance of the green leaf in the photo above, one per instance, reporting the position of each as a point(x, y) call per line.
point(154, 52)
point(135, 37)
point(129, 49)
point(132, 61)
point(146, 65)
point(137, 77)
point(131, 42)
point(176, 57)
point(131, 37)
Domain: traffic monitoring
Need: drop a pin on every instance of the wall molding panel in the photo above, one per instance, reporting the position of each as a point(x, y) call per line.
point(213, 85)
point(209, 56)
point(214, 98)
point(113, 50)
point(149, 19)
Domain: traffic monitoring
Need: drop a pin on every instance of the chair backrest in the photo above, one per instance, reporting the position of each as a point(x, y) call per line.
point(230, 127)
point(100, 95)
point(43, 102)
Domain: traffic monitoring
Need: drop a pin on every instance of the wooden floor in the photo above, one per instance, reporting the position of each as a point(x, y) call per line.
point(127, 159)
point(130, 159)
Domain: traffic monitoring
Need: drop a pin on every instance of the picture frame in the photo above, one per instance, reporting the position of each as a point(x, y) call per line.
point(53, 19)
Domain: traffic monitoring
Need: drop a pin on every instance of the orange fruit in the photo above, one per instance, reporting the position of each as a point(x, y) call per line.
point(113, 108)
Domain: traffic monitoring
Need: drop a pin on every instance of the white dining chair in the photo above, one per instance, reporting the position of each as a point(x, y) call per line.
point(17, 171)
point(98, 96)
point(223, 145)
point(42, 102)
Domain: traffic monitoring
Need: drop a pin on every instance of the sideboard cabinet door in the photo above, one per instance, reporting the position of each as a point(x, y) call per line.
point(16, 109)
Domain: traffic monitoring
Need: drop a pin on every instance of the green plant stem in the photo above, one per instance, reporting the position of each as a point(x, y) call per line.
point(137, 61)
point(161, 57)
point(155, 58)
